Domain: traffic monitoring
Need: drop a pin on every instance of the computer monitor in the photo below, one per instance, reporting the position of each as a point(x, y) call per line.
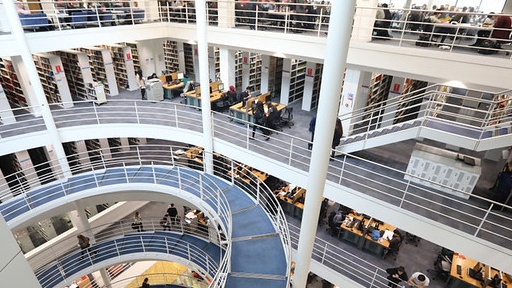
point(220, 87)
point(168, 78)
point(180, 76)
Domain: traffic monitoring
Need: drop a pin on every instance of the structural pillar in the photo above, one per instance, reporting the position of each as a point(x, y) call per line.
point(309, 82)
point(227, 66)
point(285, 81)
point(79, 219)
point(15, 272)
point(204, 79)
point(37, 87)
point(338, 38)
point(265, 76)
point(354, 96)
point(246, 69)
point(105, 277)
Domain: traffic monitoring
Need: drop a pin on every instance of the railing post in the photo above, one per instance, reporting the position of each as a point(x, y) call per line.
point(320, 19)
point(125, 173)
point(153, 170)
point(343, 167)
point(95, 177)
point(103, 160)
point(176, 115)
point(172, 156)
point(256, 18)
point(405, 193)
point(374, 276)
point(232, 172)
point(96, 113)
point(201, 192)
point(290, 152)
point(136, 112)
point(179, 178)
point(483, 219)
point(138, 155)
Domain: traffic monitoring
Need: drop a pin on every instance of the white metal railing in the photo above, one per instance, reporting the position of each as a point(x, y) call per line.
point(153, 156)
point(343, 262)
point(457, 32)
point(291, 151)
point(157, 280)
point(73, 263)
point(464, 32)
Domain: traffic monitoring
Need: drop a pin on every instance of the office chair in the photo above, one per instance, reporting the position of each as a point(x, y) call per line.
point(442, 266)
point(286, 117)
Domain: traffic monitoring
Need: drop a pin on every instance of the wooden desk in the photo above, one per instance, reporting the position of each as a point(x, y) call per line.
point(351, 234)
point(170, 88)
point(463, 280)
point(290, 204)
point(238, 111)
point(194, 100)
point(377, 247)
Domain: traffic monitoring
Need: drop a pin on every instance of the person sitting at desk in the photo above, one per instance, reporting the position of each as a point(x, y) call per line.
point(444, 31)
point(418, 280)
point(231, 95)
point(501, 29)
point(153, 76)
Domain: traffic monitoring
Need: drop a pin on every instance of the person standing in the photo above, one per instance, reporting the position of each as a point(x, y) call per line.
point(418, 280)
point(142, 84)
point(137, 222)
point(173, 213)
point(165, 223)
point(338, 133)
point(244, 96)
point(312, 124)
point(396, 275)
point(260, 118)
point(84, 244)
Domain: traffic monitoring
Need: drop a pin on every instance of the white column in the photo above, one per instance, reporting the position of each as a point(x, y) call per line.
point(202, 48)
point(16, 272)
point(309, 81)
point(26, 56)
point(181, 57)
point(79, 219)
point(354, 96)
point(28, 168)
point(335, 60)
point(246, 69)
point(5, 109)
point(265, 77)
point(25, 83)
point(105, 277)
point(227, 66)
point(226, 13)
point(285, 81)
point(364, 20)
point(211, 63)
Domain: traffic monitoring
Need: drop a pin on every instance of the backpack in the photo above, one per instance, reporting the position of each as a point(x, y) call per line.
point(375, 234)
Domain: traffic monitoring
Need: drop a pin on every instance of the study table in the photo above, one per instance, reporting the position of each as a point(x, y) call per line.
point(464, 280)
point(243, 110)
point(359, 237)
point(172, 84)
point(290, 201)
point(194, 97)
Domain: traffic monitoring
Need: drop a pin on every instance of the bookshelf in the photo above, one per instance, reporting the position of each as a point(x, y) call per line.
point(171, 57)
point(317, 82)
point(216, 60)
point(188, 50)
point(239, 70)
point(102, 67)
point(124, 67)
point(53, 79)
point(14, 176)
point(275, 71)
point(71, 151)
point(297, 77)
point(115, 145)
point(94, 150)
point(255, 71)
point(11, 85)
point(96, 92)
point(407, 109)
point(378, 93)
point(78, 71)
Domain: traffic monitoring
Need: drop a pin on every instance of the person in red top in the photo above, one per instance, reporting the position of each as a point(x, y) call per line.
point(502, 26)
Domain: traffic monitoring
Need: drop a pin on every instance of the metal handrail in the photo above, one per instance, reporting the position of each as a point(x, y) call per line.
point(154, 278)
point(257, 189)
point(291, 151)
point(117, 247)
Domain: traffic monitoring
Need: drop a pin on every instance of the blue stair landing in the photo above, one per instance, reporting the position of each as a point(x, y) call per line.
point(258, 257)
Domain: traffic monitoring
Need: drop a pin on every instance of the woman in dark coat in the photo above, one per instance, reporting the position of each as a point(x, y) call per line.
point(338, 133)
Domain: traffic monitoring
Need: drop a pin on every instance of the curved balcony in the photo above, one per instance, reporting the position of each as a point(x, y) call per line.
point(228, 205)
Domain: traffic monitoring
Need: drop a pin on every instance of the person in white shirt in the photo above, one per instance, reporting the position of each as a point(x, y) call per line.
point(418, 280)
